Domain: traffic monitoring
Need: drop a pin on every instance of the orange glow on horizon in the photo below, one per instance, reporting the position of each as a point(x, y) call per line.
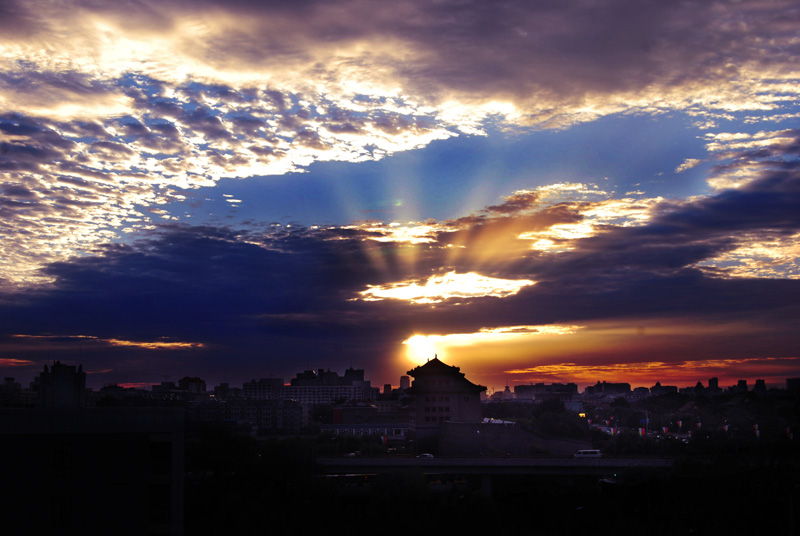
point(774, 370)
point(666, 350)
point(150, 345)
point(136, 385)
point(420, 348)
point(10, 362)
point(156, 345)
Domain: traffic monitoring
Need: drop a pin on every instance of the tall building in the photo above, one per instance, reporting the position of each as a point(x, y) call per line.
point(441, 393)
point(741, 386)
point(62, 386)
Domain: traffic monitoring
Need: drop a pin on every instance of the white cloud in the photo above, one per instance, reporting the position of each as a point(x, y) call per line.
point(448, 286)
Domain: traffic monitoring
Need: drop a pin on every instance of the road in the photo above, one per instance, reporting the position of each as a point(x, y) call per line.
point(494, 466)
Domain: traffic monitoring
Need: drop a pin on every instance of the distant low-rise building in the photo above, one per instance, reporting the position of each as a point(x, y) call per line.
point(192, 385)
point(361, 419)
point(311, 388)
point(541, 392)
point(10, 393)
point(658, 389)
point(263, 389)
point(609, 389)
point(261, 416)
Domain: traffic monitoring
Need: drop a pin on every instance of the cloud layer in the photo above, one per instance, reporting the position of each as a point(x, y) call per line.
point(109, 113)
point(271, 299)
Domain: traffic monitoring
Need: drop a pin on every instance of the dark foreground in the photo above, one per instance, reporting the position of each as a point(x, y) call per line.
point(236, 486)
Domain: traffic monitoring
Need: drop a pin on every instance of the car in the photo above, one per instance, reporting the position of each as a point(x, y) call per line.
point(588, 453)
point(425, 455)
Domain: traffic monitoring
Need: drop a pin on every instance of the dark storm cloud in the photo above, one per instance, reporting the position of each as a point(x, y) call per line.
point(667, 266)
point(269, 301)
point(681, 235)
point(182, 273)
point(770, 203)
point(301, 271)
point(278, 299)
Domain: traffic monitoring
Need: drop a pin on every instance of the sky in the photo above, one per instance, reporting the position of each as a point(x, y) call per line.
point(534, 191)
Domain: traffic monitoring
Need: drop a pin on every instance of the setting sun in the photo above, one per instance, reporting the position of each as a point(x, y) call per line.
point(420, 348)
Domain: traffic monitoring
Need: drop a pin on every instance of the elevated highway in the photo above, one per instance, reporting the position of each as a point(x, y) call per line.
point(600, 467)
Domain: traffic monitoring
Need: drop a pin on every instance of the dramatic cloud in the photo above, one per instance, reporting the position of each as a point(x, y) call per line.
point(272, 295)
point(447, 287)
point(125, 127)
point(112, 110)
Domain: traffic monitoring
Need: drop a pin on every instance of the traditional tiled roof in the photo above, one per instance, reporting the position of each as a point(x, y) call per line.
point(435, 367)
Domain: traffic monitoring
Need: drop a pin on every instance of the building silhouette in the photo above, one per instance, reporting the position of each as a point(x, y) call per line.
point(62, 386)
point(658, 389)
point(441, 393)
point(314, 387)
point(263, 389)
point(90, 470)
point(405, 382)
point(608, 389)
point(260, 417)
point(192, 385)
point(541, 392)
